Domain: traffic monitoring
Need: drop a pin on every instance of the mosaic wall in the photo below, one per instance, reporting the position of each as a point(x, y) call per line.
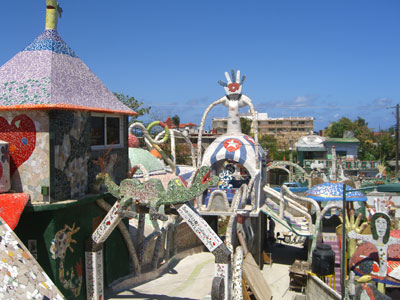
point(21, 277)
point(58, 239)
point(27, 135)
point(71, 153)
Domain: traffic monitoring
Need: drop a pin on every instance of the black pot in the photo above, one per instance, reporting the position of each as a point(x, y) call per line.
point(323, 260)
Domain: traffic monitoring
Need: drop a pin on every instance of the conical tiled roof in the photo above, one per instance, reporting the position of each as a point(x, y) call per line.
point(47, 74)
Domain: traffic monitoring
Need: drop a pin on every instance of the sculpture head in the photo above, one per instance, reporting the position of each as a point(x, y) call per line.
point(380, 226)
point(204, 178)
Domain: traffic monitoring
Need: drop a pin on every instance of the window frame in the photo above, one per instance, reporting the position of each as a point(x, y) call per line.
point(121, 131)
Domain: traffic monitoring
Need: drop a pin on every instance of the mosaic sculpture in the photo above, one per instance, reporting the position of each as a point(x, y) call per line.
point(363, 290)
point(132, 192)
point(152, 194)
point(379, 267)
point(234, 99)
point(71, 279)
point(353, 224)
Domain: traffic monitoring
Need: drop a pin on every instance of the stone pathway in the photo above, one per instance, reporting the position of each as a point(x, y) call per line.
point(191, 278)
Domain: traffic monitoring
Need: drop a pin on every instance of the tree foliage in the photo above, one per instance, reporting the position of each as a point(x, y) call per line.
point(379, 147)
point(176, 120)
point(245, 125)
point(336, 129)
point(133, 104)
point(269, 143)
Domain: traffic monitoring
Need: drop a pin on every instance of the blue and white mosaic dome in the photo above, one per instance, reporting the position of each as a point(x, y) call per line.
point(333, 191)
point(239, 148)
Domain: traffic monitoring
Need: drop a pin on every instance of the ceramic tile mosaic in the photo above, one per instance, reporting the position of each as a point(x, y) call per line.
point(240, 148)
point(11, 207)
point(107, 226)
point(237, 274)
point(48, 74)
point(28, 138)
point(71, 153)
point(200, 227)
point(94, 275)
point(5, 179)
point(21, 277)
point(50, 40)
point(334, 191)
point(62, 244)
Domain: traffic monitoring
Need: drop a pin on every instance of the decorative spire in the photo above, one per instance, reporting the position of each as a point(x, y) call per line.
point(53, 11)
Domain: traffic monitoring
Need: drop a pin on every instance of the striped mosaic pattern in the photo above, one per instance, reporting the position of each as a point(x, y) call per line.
point(50, 40)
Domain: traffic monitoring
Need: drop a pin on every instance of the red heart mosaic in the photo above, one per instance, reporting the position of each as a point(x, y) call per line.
point(21, 137)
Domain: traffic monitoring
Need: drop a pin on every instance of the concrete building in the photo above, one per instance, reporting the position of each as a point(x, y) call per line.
point(315, 151)
point(284, 129)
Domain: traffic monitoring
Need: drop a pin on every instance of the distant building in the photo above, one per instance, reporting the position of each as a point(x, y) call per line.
point(190, 127)
point(314, 151)
point(285, 129)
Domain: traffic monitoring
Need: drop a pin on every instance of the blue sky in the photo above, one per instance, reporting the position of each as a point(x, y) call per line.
point(324, 59)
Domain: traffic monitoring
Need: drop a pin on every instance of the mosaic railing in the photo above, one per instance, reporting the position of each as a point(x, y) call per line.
point(347, 165)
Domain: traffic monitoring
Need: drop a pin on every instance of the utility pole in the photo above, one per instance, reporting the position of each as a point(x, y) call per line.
point(397, 140)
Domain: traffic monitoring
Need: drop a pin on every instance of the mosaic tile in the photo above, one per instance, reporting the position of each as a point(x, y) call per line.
point(27, 135)
point(50, 40)
point(63, 243)
point(11, 207)
point(21, 276)
point(26, 79)
point(334, 191)
point(5, 180)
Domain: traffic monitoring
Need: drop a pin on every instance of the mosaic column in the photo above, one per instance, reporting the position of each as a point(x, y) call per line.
point(94, 254)
point(94, 272)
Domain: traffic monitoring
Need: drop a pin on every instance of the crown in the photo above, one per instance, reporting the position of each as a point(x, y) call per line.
point(235, 84)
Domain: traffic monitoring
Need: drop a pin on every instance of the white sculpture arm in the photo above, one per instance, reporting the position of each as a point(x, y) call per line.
point(353, 235)
point(393, 241)
point(203, 119)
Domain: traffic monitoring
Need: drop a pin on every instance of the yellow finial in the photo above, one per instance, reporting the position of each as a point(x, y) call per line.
point(52, 12)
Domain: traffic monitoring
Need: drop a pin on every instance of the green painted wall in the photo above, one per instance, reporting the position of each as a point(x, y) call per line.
point(60, 223)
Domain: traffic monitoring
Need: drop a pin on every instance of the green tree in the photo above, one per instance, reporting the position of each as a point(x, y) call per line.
point(176, 120)
point(370, 147)
point(269, 142)
point(133, 104)
point(385, 146)
point(245, 125)
point(336, 129)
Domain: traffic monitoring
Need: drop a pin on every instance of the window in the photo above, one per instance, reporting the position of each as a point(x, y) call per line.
point(107, 130)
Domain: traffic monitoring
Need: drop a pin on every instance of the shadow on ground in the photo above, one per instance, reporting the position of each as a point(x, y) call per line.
point(136, 295)
point(286, 254)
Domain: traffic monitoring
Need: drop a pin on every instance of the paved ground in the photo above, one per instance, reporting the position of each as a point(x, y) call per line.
point(191, 278)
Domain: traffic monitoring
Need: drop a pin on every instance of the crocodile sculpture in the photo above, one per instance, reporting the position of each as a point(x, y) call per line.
point(151, 193)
